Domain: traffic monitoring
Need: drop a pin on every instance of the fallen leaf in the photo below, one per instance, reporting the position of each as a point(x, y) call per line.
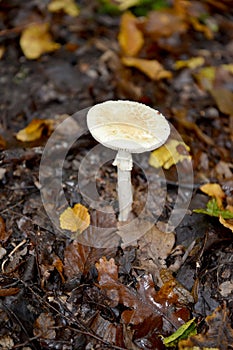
point(75, 219)
point(125, 4)
point(35, 130)
point(227, 223)
point(219, 334)
point(201, 27)
point(192, 63)
point(44, 326)
point(6, 342)
point(130, 37)
point(2, 51)
point(36, 40)
point(75, 259)
point(3, 233)
point(214, 190)
point(171, 153)
point(223, 98)
point(152, 68)
point(68, 6)
point(2, 143)
point(8, 291)
point(186, 330)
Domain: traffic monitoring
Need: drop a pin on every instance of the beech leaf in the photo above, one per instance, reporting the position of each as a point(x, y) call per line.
point(36, 40)
point(169, 154)
point(75, 219)
point(35, 129)
point(130, 37)
point(152, 68)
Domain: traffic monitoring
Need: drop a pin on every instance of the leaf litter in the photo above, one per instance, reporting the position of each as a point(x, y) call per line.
point(76, 296)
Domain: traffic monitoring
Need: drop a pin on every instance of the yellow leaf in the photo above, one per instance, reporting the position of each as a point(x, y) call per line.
point(152, 68)
point(169, 154)
point(36, 40)
point(75, 219)
point(125, 4)
point(201, 27)
point(214, 190)
point(35, 129)
point(192, 63)
point(130, 37)
point(68, 6)
point(227, 223)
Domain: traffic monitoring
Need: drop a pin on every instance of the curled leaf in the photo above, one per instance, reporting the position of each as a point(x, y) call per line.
point(35, 129)
point(36, 40)
point(227, 223)
point(75, 219)
point(152, 68)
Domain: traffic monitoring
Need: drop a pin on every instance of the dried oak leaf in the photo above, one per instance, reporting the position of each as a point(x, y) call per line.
point(67, 6)
point(219, 334)
point(44, 326)
point(130, 37)
point(152, 68)
point(35, 130)
point(75, 219)
point(36, 40)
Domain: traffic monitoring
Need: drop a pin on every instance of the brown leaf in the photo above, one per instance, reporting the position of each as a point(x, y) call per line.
point(8, 291)
point(36, 40)
point(3, 234)
point(75, 258)
point(35, 129)
point(154, 248)
point(109, 332)
point(107, 270)
point(163, 24)
point(130, 37)
point(152, 68)
point(44, 326)
point(218, 335)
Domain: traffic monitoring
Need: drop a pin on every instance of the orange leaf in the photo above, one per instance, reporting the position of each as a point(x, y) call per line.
point(152, 68)
point(75, 219)
point(35, 129)
point(36, 40)
point(130, 37)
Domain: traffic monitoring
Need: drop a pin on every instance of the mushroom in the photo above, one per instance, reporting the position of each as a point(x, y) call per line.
point(128, 127)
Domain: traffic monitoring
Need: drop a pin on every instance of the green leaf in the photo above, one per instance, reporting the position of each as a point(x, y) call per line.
point(186, 330)
point(212, 209)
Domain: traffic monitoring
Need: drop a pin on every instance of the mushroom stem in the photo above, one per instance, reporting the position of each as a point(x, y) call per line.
point(124, 164)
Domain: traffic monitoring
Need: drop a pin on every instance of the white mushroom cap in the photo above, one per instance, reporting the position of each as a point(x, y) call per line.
point(127, 125)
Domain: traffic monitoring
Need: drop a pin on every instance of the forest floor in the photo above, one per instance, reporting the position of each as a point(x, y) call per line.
point(112, 289)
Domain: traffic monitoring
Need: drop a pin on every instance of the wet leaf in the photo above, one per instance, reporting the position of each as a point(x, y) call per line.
point(186, 330)
point(169, 154)
point(36, 40)
point(75, 219)
point(67, 6)
point(219, 334)
point(152, 68)
point(2, 51)
point(35, 130)
point(75, 259)
point(192, 63)
point(130, 37)
point(44, 326)
point(214, 190)
point(107, 270)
